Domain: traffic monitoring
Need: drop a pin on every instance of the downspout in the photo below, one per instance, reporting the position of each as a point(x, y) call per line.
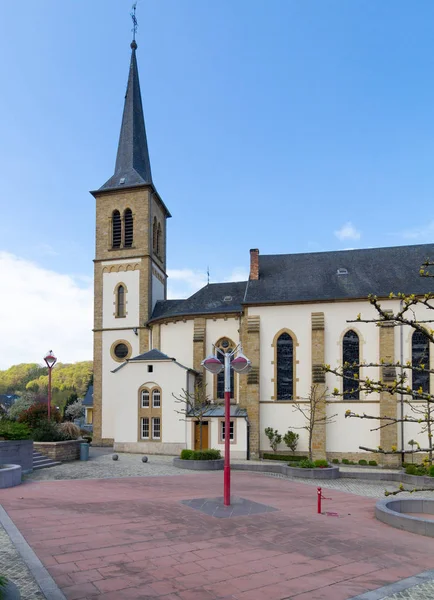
point(248, 437)
point(401, 358)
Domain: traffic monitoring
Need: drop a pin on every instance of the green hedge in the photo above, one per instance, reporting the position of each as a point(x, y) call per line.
point(210, 454)
point(283, 457)
point(11, 430)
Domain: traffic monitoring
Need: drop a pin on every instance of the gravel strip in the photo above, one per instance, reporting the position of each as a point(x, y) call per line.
point(14, 568)
point(423, 591)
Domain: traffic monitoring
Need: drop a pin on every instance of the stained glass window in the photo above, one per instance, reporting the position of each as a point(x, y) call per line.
point(420, 356)
point(121, 301)
point(285, 367)
point(351, 357)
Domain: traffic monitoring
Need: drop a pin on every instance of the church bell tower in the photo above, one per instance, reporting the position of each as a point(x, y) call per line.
point(130, 256)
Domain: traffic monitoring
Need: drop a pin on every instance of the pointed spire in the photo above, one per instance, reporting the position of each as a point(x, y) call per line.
point(133, 166)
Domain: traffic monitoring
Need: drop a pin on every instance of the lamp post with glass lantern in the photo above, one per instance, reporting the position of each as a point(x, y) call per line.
point(50, 361)
point(240, 364)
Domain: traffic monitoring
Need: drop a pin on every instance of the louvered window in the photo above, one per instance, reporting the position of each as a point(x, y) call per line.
point(285, 367)
point(158, 251)
point(154, 235)
point(128, 228)
point(420, 359)
point(116, 229)
point(351, 359)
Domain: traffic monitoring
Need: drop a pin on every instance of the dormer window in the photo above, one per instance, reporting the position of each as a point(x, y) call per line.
point(342, 271)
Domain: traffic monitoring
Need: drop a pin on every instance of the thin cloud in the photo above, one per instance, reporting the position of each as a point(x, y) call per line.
point(421, 234)
point(182, 283)
point(43, 310)
point(347, 232)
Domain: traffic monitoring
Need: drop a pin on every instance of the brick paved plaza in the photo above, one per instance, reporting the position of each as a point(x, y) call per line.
point(132, 538)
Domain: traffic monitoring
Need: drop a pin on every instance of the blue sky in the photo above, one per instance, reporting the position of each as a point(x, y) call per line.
point(288, 125)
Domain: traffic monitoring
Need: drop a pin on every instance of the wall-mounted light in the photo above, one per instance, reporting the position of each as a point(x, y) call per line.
point(135, 331)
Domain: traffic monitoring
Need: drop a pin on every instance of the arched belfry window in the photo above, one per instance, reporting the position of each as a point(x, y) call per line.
point(120, 301)
point(351, 361)
point(226, 345)
point(116, 229)
point(128, 228)
point(154, 235)
point(420, 359)
point(285, 367)
point(159, 240)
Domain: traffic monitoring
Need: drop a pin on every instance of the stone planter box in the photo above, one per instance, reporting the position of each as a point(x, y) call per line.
point(393, 512)
point(326, 473)
point(17, 452)
point(10, 475)
point(60, 451)
point(199, 465)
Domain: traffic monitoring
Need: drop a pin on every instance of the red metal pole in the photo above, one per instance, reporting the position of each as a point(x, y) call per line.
point(319, 500)
point(49, 393)
point(227, 467)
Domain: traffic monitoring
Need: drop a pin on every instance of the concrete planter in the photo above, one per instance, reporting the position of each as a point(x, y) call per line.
point(11, 592)
point(17, 452)
point(394, 512)
point(199, 465)
point(318, 473)
point(60, 451)
point(10, 475)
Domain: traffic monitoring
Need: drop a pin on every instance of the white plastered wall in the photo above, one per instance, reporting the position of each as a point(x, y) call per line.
point(125, 384)
point(215, 330)
point(131, 281)
point(176, 340)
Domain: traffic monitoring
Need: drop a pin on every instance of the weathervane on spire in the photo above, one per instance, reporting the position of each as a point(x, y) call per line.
point(133, 17)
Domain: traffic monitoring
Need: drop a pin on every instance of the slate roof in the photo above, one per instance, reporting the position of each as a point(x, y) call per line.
point(7, 400)
point(88, 399)
point(132, 160)
point(151, 355)
point(314, 276)
point(219, 411)
point(213, 298)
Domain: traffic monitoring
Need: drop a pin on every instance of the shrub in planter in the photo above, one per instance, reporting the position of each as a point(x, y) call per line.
point(362, 461)
point(267, 456)
point(47, 431)
point(186, 454)
point(416, 470)
point(306, 464)
point(69, 430)
point(291, 439)
point(373, 463)
point(335, 461)
point(321, 463)
point(37, 413)
point(3, 583)
point(209, 454)
point(431, 471)
point(345, 461)
point(11, 430)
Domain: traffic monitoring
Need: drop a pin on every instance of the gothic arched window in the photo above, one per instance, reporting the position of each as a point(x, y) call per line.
point(285, 367)
point(350, 361)
point(226, 346)
point(128, 228)
point(120, 301)
point(158, 251)
point(154, 235)
point(419, 358)
point(116, 229)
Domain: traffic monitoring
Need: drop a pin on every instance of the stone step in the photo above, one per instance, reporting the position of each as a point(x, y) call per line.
point(40, 461)
point(46, 466)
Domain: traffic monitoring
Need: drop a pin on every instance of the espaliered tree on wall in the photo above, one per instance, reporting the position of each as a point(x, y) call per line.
point(409, 380)
point(195, 405)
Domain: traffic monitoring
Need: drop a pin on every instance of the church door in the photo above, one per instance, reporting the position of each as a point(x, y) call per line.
point(205, 439)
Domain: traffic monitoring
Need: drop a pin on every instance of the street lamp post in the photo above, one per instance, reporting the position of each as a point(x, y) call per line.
point(241, 364)
point(50, 361)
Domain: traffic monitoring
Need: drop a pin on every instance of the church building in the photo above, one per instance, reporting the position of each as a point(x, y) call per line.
point(291, 317)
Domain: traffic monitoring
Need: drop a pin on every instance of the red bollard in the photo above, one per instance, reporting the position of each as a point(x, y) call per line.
point(319, 500)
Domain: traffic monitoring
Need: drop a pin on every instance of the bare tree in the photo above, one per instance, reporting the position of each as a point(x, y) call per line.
point(394, 376)
point(195, 405)
point(314, 413)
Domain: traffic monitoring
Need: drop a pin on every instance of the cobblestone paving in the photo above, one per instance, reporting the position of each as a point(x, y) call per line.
point(423, 591)
point(14, 568)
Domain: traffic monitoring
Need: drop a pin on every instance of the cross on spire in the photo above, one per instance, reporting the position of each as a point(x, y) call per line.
point(134, 19)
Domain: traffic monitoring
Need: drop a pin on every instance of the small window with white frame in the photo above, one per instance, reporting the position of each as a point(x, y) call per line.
point(145, 398)
point(223, 431)
point(144, 423)
point(156, 428)
point(156, 399)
